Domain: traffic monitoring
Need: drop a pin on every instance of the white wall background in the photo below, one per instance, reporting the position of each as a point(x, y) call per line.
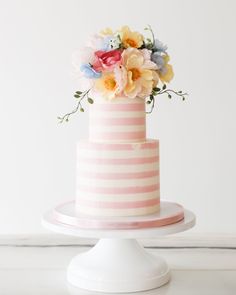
point(198, 137)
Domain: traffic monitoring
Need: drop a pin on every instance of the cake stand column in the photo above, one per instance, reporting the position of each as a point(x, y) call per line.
point(118, 265)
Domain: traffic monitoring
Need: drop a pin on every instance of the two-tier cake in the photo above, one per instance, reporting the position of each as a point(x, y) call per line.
point(117, 167)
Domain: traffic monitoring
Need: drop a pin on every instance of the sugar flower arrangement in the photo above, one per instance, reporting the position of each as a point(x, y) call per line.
point(125, 63)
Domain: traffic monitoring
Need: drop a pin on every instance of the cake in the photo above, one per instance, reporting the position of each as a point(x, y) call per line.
point(118, 167)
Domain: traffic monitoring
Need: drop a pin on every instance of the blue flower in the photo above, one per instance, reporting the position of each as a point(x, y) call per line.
point(89, 72)
point(159, 46)
point(158, 59)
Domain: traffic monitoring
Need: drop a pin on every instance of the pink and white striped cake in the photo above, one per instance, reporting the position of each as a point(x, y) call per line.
point(117, 168)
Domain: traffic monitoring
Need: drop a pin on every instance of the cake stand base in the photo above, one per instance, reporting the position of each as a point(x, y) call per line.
point(118, 265)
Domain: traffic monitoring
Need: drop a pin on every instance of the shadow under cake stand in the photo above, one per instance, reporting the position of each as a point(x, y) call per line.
point(118, 262)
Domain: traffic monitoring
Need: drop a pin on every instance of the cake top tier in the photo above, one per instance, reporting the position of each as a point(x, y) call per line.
point(119, 120)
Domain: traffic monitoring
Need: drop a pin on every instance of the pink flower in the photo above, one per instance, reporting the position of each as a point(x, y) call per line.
point(106, 59)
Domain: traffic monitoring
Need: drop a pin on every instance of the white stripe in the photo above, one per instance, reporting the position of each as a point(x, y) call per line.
point(117, 183)
point(95, 114)
point(117, 168)
point(108, 154)
point(93, 129)
point(122, 198)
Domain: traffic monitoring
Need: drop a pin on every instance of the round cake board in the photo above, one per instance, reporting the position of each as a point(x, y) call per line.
point(117, 263)
point(169, 213)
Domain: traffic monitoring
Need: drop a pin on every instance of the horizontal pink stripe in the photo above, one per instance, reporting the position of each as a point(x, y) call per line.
point(118, 107)
point(140, 135)
point(118, 205)
point(118, 121)
point(118, 190)
point(135, 175)
point(127, 161)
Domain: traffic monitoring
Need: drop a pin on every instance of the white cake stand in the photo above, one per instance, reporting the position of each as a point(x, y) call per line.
point(118, 263)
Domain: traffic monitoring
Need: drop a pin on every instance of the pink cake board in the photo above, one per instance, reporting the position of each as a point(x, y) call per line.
point(169, 213)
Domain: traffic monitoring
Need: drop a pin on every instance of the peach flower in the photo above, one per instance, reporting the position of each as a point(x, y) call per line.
point(141, 73)
point(107, 85)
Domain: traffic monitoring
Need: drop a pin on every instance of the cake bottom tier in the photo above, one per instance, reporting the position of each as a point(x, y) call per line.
point(117, 179)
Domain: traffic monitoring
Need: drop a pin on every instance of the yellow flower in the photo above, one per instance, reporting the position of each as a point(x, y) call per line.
point(107, 85)
point(129, 38)
point(167, 74)
point(107, 32)
point(141, 74)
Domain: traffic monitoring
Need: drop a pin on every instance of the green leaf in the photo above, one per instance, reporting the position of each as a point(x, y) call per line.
point(90, 100)
point(149, 101)
point(149, 40)
point(164, 87)
point(77, 96)
point(149, 46)
point(78, 92)
point(169, 96)
point(151, 97)
point(157, 89)
point(82, 110)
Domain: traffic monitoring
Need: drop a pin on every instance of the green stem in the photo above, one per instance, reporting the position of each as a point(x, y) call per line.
point(152, 107)
point(168, 91)
point(78, 106)
point(173, 91)
point(153, 38)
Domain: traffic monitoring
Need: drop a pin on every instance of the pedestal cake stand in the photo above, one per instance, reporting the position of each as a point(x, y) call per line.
point(118, 263)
